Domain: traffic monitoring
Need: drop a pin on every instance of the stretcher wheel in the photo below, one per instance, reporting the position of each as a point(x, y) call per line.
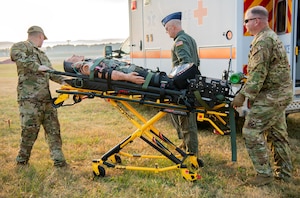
point(76, 98)
point(58, 104)
point(101, 172)
point(190, 176)
point(199, 164)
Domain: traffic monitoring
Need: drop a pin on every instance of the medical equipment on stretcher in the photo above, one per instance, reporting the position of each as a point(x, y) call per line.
point(206, 96)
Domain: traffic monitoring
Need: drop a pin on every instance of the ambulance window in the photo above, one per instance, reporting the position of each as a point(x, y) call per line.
point(281, 17)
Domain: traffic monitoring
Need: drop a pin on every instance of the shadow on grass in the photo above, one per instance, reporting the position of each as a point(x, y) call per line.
point(293, 123)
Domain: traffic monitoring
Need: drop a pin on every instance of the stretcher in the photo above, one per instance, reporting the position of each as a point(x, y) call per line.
point(209, 98)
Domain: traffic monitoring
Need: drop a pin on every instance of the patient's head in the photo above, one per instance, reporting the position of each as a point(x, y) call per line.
point(82, 67)
point(77, 64)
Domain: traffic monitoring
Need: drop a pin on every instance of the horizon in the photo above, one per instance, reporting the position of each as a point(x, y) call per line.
point(60, 52)
point(8, 44)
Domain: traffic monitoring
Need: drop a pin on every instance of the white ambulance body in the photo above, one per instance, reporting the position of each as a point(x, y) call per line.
point(217, 26)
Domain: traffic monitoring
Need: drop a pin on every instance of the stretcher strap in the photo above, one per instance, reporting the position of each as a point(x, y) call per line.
point(109, 73)
point(147, 80)
point(200, 100)
point(92, 69)
point(162, 91)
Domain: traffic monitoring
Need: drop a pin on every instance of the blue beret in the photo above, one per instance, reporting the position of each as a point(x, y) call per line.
point(175, 15)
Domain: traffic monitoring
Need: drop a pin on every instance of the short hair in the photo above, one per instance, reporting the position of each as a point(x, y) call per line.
point(260, 11)
point(34, 33)
point(175, 22)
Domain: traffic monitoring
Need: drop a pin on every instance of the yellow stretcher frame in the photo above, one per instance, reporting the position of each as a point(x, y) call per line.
point(148, 133)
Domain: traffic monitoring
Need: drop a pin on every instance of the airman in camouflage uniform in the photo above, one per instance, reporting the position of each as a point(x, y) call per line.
point(269, 91)
point(34, 97)
point(184, 51)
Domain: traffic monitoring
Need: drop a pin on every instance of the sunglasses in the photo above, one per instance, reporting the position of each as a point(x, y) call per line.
point(247, 20)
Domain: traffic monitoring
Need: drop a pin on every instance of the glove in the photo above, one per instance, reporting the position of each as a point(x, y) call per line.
point(238, 100)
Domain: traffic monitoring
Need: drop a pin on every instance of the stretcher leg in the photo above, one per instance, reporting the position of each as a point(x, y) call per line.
point(196, 163)
point(148, 133)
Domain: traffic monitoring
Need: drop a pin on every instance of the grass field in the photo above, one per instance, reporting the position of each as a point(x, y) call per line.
point(91, 128)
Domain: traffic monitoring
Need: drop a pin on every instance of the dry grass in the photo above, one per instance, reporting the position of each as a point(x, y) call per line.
point(93, 127)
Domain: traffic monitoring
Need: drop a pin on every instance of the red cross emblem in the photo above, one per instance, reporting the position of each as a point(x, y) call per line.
point(200, 12)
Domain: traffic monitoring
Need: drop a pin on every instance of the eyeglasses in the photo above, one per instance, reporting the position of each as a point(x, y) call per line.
point(247, 20)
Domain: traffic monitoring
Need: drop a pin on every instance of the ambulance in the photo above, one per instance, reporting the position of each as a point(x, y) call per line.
point(218, 28)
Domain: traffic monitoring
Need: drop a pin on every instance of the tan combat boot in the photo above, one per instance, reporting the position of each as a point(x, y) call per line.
point(260, 180)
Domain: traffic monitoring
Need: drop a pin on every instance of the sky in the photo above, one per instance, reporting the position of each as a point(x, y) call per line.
point(64, 20)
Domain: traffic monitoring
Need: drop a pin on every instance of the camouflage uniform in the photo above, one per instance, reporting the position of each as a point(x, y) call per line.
point(269, 91)
point(122, 67)
point(35, 103)
point(185, 51)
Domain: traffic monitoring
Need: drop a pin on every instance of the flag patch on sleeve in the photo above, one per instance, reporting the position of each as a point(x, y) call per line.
point(179, 43)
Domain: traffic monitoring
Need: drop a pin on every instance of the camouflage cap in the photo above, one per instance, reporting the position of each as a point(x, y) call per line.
point(36, 29)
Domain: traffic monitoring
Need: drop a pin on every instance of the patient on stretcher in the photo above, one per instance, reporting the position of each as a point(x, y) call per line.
point(184, 83)
point(112, 69)
point(83, 66)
